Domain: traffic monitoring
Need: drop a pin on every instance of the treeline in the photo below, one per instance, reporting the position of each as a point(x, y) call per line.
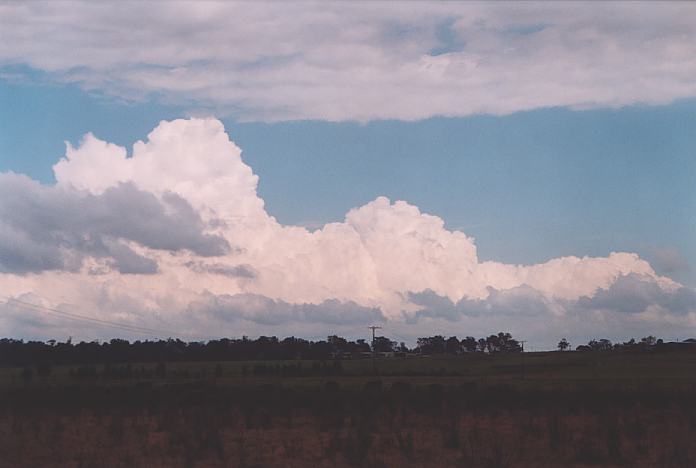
point(500, 343)
point(22, 353)
point(604, 344)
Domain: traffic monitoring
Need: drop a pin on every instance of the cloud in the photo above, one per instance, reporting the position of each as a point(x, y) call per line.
point(359, 61)
point(233, 271)
point(18, 320)
point(517, 302)
point(634, 294)
point(183, 207)
point(669, 260)
point(632, 306)
point(50, 228)
point(628, 294)
point(127, 261)
point(263, 310)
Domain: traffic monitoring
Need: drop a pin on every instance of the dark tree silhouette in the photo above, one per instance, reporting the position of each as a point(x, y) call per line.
point(452, 345)
point(602, 344)
point(431, 345)
point(502, 343)
point(469, 344)
point(648, 341)
point(384, 345)
point(43, 356)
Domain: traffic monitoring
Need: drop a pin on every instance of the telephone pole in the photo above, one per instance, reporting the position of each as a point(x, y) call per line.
point(374, 351)
point(524, 367)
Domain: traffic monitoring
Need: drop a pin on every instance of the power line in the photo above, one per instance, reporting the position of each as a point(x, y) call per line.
point(77, 317)
point(93, 321)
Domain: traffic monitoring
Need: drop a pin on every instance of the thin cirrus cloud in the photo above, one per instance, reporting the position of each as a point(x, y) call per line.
point(360, 61)
point(185, 199)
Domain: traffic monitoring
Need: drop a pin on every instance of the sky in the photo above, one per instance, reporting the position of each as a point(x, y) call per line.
point(222, 169)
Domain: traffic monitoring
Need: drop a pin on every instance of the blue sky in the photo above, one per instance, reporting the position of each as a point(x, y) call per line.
point(529, 186)
point(437, 167)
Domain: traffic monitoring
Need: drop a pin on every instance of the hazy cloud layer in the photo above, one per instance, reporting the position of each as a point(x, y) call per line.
point(359, 61)
point(183, 206)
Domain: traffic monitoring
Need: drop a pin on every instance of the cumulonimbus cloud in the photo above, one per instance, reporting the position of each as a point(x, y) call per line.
point(359, 61)
point(222, 257)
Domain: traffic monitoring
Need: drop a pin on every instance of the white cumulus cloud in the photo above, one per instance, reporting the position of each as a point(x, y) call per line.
point(220, 256)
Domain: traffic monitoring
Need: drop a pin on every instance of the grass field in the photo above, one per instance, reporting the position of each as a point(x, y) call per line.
point(576, 409)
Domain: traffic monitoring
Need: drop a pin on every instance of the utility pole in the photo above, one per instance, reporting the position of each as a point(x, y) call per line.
point(524, 370)
point(374, 351)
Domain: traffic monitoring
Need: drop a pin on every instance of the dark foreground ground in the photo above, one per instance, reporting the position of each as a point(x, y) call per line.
point(550, 410)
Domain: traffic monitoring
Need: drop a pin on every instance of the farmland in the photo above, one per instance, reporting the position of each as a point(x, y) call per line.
point(538, 370)
point(617, 408)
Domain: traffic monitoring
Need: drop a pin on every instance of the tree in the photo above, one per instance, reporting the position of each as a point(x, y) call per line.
point(452, 345)
point(338, 344)
point(508, 344)
point(648, 341)
point(630, 344)
point(502, 343)
point(362, 346)
point(468, 344)
point(41, 356)
point(563, 345)
point(431, 344)
point(492, 344)
point(383, 345)
point(600, 345)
